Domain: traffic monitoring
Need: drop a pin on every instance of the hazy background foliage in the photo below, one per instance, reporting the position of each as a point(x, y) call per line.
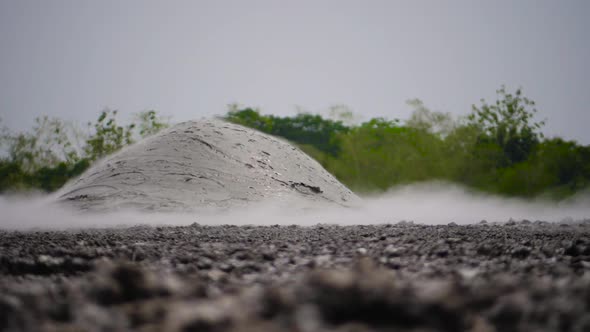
point(56, 150)
point(498, 148)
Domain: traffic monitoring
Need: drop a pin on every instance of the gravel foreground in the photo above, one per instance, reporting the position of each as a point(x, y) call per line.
point(519, 276)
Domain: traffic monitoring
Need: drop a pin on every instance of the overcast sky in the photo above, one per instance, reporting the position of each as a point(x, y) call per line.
point(189, 59)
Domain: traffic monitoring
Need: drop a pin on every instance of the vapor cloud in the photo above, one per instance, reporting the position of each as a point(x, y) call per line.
point(431, 203)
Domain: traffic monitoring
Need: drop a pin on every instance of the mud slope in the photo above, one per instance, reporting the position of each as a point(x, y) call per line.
point(205, 164)
point(481, 278)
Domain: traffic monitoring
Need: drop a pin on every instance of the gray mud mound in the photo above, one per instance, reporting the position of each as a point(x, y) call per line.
point(205, 164)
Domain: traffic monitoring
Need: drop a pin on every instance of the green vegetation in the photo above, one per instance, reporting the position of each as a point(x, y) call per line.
point(304, 128)
point(56, 151)
point(498, 148)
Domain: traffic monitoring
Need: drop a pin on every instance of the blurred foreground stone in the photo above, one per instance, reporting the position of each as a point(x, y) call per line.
point(488, 277)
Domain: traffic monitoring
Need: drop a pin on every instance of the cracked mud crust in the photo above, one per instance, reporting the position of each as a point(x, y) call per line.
point(522, 276)
point(205, 164)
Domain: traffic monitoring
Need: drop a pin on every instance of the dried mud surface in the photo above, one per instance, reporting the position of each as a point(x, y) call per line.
point(202, 165)
point(519, 276)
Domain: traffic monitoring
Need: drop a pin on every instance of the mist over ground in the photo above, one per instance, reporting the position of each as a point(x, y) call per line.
point(431, 203)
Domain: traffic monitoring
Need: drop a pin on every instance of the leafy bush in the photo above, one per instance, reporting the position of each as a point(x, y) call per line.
point(508, 124)
point(56, 151)
point(498, 148)
point(304, 128)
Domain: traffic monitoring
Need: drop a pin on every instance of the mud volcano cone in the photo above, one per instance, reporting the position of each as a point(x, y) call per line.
point(205, 164)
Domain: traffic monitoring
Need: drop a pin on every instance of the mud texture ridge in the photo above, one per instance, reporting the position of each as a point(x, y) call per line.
point(205, 164)
point(519, 276)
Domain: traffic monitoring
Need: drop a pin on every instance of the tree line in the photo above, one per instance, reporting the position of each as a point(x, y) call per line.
point(498, 148)
point(55, 151)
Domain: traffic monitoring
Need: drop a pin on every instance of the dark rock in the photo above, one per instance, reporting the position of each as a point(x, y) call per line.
point(509, 311)
point(520, 252)
point(572, 250)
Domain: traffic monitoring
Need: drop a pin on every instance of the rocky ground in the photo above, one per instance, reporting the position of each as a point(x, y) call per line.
point(519, 276)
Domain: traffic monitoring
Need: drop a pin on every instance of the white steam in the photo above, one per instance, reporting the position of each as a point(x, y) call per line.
point(432, 203)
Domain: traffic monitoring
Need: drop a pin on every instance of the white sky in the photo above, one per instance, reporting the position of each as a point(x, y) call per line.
point(189, 59)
